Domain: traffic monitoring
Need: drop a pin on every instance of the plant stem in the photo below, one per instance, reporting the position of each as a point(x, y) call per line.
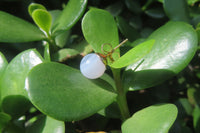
point(121, 98)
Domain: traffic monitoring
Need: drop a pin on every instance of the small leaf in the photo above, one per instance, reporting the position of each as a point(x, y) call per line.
point(14, 97)
point(13, 29)
point(66, 94)
point(64, 54)
point(62, 38)
point(134, 55)
point(43, 19)
point(133, 6)
point(70, 15)
point(153, 119)
point(155, 13)
point(127, 30)
point(193, 96)
point(196, 119)
point(46, 124)
point(176, 10)
point(34, 6)
point(98, 28)
point(116, 8)
point(82, 47)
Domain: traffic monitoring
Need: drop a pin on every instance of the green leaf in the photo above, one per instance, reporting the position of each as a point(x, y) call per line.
point(112, 111)
point(133, 6)
point(134, 55)
point(153, 119)
point(62, 38)
point(34, 6)
point(46, 125)
point(70, 15)
point(196, 119)
point(155, 13)
point(43, 19)
point(82, 47)
point(64, 54)
point(66, 94)
point(98, 28)
point(184, 107)
point(175, 46)
point(116, 8)
point(192, 2)
point(13, 29)
point(176, 10)
point(14, 97)
point(127, 30)
point(3, 64)
point(4, 119)
point(47, 55)
point(193, 95)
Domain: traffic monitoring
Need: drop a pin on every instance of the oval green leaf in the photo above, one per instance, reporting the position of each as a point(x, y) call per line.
point(175, 46)
point(98, 28)
point(127, 30)
point(134, 55)
point(14, 29)
point(70, 15)
point(43, 19)
point(34, 6)
point(153, 119)
point(176, 10)
point(46, 124)
point(66, 94)
point(14, 97)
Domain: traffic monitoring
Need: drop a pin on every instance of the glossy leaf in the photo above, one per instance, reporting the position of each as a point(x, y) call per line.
point(175, 46)
point(66, 94)
point(14, 97)
point(99, 27)
point(46, 125)
point(176, 10)
point(127, 30)
point(43, 19)
point(34, 6)
point(13, 29)
point(153, 119)
point(134, 55)
point(70, 15)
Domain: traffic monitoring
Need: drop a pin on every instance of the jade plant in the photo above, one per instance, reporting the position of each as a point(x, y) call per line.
point(43, 91)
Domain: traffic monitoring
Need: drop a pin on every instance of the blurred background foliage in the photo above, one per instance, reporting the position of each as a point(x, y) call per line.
point(136, 20)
